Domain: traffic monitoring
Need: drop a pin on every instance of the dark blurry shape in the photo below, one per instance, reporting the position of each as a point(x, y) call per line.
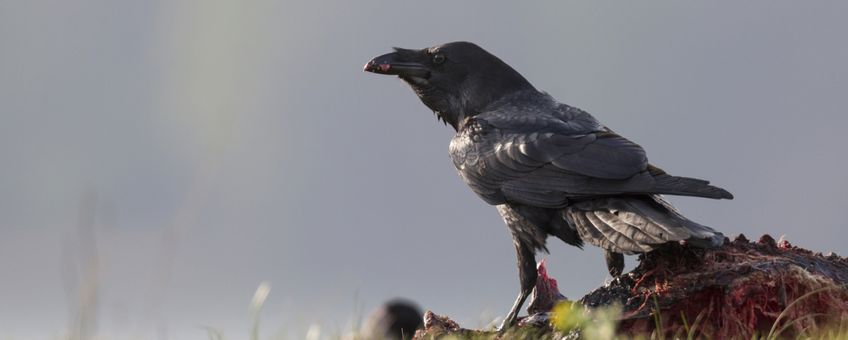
point(550, 168)
point(395, 320)
point(546, 294)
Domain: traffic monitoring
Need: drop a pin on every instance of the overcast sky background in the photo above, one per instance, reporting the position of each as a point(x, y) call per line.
point(161, 158)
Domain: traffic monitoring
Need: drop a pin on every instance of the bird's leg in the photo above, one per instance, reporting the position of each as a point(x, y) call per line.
point(527, 274)
point(615, 263)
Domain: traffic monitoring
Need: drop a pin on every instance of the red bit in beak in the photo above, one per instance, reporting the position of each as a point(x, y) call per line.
point(371, 66)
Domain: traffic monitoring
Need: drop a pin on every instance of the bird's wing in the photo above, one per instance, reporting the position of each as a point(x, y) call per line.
point(573, 141)
point(540, 159)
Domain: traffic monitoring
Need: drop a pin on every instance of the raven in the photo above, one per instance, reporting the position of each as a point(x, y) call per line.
point(549, 168)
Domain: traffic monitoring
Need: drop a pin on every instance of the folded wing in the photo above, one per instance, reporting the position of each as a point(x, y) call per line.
point(542, 160)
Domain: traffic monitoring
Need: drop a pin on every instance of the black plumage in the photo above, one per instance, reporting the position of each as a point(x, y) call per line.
point(550, 168)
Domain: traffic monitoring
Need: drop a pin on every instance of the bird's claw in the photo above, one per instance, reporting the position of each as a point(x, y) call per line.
point(506, 324)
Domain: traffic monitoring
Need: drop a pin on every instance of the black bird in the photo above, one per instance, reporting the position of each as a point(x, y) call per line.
point(549, 168)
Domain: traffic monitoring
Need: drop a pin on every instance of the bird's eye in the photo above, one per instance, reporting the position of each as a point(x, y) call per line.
point(438, 58)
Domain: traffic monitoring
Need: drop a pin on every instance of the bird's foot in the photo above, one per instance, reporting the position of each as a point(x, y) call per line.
point(506, 324)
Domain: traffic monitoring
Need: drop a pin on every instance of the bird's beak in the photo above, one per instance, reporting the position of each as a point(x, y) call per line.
point(389, 64)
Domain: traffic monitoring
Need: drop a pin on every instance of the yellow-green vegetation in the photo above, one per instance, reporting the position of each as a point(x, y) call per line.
point(570, 316)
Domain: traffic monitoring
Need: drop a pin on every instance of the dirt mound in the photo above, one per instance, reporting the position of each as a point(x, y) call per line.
point(734, 291)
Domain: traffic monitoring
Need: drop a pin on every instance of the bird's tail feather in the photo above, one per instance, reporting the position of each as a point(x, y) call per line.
point(686, 186)
point(636, 224)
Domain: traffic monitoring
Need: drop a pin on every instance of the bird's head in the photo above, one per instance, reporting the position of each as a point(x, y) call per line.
point(456, 80)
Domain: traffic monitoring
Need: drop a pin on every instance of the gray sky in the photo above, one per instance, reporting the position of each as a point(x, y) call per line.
point(177, 153)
